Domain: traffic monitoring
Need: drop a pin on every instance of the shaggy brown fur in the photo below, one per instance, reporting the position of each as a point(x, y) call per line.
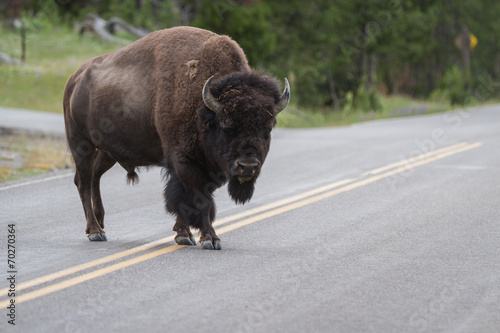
point(142, 105)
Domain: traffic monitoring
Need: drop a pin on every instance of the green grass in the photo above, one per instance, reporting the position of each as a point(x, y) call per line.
point(53, 54)
point(392, 106)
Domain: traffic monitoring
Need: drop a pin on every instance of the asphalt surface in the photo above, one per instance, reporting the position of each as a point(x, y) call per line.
point(411, 247)
point(32, 121)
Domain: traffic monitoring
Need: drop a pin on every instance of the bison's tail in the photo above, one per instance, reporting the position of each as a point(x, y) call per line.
point(132, 177)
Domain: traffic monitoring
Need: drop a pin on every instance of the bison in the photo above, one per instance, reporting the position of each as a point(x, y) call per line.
point(184, 99)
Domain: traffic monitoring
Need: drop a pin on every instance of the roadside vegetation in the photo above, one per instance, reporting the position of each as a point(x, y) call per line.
point(347, 61)
point(55, 52)
point(28, 154)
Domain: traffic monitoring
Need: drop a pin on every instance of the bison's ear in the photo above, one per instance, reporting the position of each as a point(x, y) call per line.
point(210, 101)
point(284, 99)
point(192, 66)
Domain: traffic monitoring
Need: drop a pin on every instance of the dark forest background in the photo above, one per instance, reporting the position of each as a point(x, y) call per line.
point(333, 52)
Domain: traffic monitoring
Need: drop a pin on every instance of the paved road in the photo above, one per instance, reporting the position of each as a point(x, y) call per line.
point(387, 226)
point(33, 121)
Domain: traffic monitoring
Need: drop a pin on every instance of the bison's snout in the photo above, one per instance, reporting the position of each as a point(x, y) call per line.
point(245, 170)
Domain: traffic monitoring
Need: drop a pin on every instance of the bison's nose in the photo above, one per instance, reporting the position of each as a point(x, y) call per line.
point(247, 168)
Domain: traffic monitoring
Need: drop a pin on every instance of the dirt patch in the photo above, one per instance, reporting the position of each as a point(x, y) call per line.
point(24, 154)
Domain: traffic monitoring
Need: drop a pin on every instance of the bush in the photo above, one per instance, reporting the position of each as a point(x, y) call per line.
point(363, 101)
point(454, 86)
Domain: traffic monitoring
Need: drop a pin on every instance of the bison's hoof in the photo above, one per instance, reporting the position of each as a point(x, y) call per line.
point(208, 245)
point(185, 241)
point(97, 237)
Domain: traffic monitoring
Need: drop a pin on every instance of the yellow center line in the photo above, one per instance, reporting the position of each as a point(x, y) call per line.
point(82, 278)
point(87, 265)
point(346, 188)
point(300, 202)
point(283, 202)
point(147, 246)
point(159, 242)
point(416, 158)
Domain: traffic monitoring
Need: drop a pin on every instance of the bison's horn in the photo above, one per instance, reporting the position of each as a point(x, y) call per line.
point(284, 98)
point(209, 99)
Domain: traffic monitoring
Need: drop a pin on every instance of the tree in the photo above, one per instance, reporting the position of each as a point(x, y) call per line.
point(247, 22)
point(333, 52)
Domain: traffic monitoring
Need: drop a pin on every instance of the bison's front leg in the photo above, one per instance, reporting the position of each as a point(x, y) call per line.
point(191, 201)
point(209, 240)
point(184, 235)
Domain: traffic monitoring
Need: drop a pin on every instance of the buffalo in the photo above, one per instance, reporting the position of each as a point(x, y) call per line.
point(184, 99)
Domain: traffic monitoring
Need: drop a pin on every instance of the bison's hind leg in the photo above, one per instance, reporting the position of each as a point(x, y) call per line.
point(102, 163)
point(84, 164)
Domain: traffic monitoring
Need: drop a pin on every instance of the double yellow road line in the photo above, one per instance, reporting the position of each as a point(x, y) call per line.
point(222, 226)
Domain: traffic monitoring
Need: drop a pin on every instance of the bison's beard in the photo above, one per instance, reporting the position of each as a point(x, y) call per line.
point(241, 192)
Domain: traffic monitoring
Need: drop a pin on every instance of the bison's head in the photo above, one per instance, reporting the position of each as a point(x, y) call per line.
point(239, 113)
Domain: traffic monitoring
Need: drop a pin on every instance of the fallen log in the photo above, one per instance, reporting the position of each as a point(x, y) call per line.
point(96, 25)
point(113, 22)
point(6, 59)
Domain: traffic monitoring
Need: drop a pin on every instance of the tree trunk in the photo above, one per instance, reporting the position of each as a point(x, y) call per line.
point(364, 67)
point(465, 39)
point(23, 41)
point(370, 72)
point(331, 82)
